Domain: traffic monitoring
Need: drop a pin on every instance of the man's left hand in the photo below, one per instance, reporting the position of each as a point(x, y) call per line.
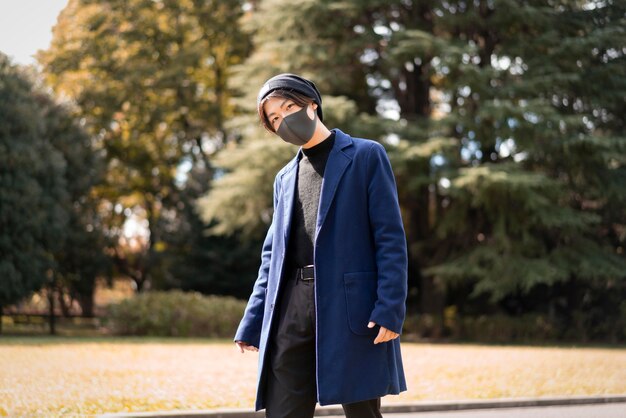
point(384, 334)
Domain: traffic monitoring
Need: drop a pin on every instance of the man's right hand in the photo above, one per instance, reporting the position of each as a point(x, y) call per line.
point(245, 346)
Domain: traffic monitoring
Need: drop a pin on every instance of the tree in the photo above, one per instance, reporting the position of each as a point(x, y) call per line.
point(149, 80)
point(32, 190)
point(83, 256)
point(509, 161)
point(47, 172)
point(541, 154)
point(240, 201)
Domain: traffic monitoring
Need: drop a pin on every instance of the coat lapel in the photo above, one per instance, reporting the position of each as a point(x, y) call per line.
point(335, 168)
point(289, 188)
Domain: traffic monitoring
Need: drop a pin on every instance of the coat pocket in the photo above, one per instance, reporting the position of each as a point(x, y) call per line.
point(360, 287)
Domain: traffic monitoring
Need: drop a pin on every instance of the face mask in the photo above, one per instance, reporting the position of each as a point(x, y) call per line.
point(297, 128)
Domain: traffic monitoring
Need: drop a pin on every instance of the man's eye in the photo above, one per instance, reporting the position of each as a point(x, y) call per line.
point(289, 105)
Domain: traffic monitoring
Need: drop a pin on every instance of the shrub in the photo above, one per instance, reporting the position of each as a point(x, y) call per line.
point(176, 314)
point(496, 328)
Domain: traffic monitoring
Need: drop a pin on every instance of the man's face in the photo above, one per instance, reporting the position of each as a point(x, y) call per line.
point(276, 108)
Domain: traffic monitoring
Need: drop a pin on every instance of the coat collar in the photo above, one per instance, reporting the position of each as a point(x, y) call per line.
point(342, 140)
point(335, 167)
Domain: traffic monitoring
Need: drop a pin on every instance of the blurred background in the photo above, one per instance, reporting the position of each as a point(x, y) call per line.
point(133, 164)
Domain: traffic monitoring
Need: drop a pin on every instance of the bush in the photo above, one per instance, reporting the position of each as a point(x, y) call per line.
point(496, 328)
point(584, 327)
point(527, 328)
point(176, 314)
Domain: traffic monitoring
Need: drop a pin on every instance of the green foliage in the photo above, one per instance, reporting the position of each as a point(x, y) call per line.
point(176, 314)
point(494, 328)
point(241, 200)
point(509, 141)
point(51, 230)
point(530, 198)
point(150, 81)
point(533, 328)
point(33, 189)
point(503, 120)
point(524, 236)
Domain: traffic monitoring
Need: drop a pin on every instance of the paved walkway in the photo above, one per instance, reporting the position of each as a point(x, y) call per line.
point(610, 406)
point(616, 410)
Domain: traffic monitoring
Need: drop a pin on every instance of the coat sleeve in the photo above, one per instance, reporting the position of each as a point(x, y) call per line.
point(249, 329)
point(390, 241)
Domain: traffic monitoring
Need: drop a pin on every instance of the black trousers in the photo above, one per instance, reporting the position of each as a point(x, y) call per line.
point(291, 378)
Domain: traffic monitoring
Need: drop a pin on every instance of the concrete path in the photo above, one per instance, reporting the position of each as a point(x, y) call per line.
point(617, 410)
point(609, 406)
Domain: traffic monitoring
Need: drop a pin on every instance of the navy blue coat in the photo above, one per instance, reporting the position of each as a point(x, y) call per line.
point(360, 259)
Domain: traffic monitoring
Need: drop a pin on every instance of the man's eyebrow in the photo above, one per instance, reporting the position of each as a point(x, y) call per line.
point(281, 105)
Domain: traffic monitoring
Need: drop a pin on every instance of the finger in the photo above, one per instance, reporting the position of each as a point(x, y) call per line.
point(381, 334)
point(371, 324)
point(390, 335)
point(379, 337)
point(240, 347)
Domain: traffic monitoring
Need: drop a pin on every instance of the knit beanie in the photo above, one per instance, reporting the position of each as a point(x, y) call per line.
point(294, 82)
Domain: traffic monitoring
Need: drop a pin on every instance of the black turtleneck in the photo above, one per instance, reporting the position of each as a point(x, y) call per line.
point(306, 201)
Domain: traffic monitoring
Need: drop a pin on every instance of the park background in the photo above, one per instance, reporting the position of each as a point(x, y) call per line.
point(135, 191)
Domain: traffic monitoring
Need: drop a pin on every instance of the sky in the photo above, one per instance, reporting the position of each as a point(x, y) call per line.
point(26, 26)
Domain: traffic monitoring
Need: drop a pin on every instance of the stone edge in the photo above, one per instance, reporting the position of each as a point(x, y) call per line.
point(418, 406)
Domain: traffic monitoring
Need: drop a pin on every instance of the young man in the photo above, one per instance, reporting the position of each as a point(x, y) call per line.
point(328, 304)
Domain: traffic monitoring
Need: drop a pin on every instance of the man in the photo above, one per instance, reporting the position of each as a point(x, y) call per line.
point(328, 304)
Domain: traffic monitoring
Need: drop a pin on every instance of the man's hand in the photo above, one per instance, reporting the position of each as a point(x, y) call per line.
point(245, 346)
point(384, 334)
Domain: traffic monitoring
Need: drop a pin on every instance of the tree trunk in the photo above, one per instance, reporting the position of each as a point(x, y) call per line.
point(86, 304)
point(51, 310)
point(432, 301)
point(65, 307)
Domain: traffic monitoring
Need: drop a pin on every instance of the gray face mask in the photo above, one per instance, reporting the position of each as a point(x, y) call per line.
point(297, 128)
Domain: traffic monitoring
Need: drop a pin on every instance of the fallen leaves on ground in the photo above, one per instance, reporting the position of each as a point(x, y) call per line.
point(91, 377)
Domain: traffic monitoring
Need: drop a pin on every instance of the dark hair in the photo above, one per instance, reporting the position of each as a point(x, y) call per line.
point(298, 98)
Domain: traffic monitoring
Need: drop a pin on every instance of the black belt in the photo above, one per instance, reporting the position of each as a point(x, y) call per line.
point(305, 273)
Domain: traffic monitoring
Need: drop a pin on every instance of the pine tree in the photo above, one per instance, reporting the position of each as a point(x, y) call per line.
point(503, 123)
point(533, 103)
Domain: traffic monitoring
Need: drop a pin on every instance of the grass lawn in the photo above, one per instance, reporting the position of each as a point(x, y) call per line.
point(43, 376)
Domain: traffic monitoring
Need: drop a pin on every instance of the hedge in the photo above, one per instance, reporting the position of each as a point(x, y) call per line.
point(176, 314)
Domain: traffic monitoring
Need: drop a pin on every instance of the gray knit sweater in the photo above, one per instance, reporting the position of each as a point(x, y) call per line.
point(306, 201)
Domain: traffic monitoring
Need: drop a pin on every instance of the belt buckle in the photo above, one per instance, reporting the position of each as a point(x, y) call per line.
point(306, 279)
